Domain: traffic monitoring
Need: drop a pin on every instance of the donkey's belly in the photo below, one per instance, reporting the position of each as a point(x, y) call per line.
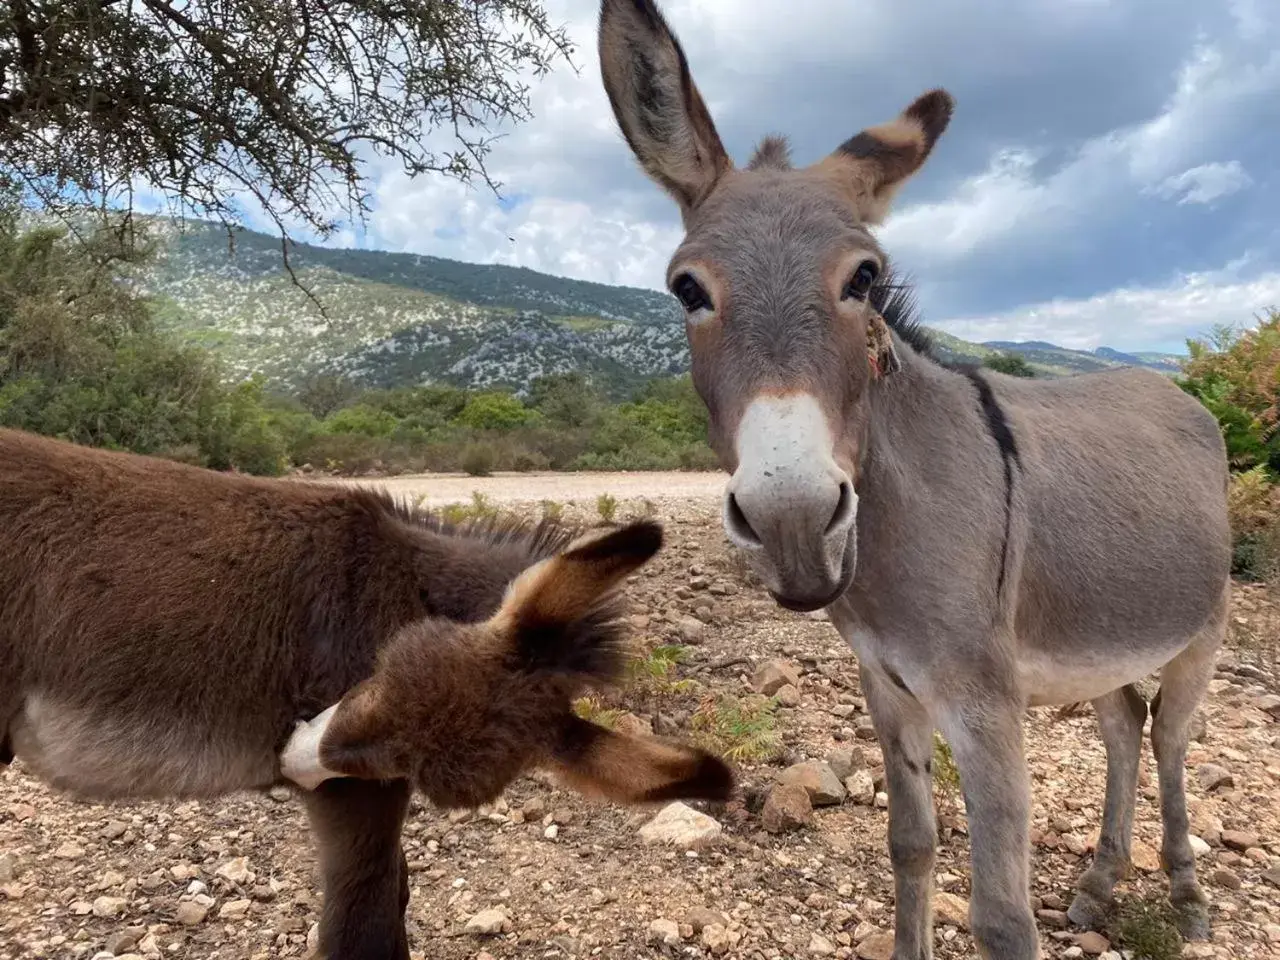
point(99, 755)
point(1047, 680)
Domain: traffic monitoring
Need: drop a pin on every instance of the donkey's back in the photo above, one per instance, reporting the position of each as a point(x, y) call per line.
point(1125, 547)
point(162, 626)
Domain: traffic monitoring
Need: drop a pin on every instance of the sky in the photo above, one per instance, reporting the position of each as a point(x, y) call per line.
point(1109, 176)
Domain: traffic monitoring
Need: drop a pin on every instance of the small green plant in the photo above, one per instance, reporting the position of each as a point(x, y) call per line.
point(590, 708)
point(740, 729)
point(1147, 929)
point(552, 510)
point(607, 507)
point(482, 506)
point(946, 775)
point(654, 672)
point(455, 513)
point(478, 460)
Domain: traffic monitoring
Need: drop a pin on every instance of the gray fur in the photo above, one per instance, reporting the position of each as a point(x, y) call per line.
point(1016, 542)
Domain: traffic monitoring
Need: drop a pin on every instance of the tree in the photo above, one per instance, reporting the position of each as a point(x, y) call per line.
point(1010, 363)
point(281, 101)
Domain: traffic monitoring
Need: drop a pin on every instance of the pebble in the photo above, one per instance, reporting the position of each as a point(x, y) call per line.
point(109, 906)
point(787, 807)
point(717, 939)
point(235, 871)
point(950, 909)
point(1239, 840)
point(878, 946)
point(664, 931)
point(772, 676)
point(700, 917)
point(820, 946)
point(692, 631)
point(489, 923)
point(1226, 878)
point(818, 780)
point(861, 787)
point(1213, 777)
point(788, 696)
point(10, 868)
point(1144, 857)
point(234, 909)
point(1094, 944)
point(1199, 847)
point(191, 913)
point(69, 851)
point(682, 826)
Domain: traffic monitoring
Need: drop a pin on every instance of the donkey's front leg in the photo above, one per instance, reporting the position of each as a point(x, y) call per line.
point(357, 824)
point(986, 737)
point(906, 735)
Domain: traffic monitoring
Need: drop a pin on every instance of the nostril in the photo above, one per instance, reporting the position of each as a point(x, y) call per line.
point(844, 509)
point(739, 526)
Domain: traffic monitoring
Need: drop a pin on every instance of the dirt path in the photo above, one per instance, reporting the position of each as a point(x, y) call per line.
point(438, 489)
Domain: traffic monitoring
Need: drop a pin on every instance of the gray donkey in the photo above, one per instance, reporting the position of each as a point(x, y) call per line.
point(984, 543)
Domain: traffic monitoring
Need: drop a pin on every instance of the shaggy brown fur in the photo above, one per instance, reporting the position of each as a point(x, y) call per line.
point(164, 628)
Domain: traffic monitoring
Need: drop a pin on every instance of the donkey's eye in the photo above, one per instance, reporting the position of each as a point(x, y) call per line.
point(690, 293)
point(859, 284)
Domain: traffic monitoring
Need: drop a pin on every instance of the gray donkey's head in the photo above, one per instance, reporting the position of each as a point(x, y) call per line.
point(776, 273)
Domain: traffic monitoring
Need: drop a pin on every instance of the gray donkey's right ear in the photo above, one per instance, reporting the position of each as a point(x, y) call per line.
point(656, 104)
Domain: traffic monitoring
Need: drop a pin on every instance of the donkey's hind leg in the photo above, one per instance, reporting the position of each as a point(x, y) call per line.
point(1121, 715)
point(1183, 682)
point(357, 824)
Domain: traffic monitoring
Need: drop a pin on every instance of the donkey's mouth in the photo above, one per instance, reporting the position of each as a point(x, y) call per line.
point(807, 603)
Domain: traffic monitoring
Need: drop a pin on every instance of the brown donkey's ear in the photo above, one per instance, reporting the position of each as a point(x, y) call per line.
point(873, 164)
point(660, 111)
point(600, 763)
point(559, 613)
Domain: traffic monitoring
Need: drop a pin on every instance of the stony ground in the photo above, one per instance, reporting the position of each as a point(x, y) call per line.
point(546, 874)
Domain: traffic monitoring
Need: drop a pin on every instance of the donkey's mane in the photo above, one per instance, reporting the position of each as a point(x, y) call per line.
point(895, 300)
point(543, 538)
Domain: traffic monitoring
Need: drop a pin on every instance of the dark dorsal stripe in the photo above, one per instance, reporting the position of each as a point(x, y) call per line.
point(1000, 430)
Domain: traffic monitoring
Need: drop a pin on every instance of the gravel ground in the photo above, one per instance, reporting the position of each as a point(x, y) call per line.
point(235, 878)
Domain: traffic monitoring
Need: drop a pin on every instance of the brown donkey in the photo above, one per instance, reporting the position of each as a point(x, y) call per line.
point(984, 543)
point(168, 632)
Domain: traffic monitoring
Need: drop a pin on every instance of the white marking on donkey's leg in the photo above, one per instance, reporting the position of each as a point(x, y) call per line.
point(300, 759)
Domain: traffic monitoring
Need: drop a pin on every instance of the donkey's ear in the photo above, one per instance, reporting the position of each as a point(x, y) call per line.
point(623, 769)
point(560, 614)
point(659, 109)
point(873, 164)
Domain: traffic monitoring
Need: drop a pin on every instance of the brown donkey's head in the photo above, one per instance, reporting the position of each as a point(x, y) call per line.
point(780, 280)
point(461, 710)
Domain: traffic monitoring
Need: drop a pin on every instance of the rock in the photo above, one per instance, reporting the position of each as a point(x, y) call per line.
point(843, 762)
point(788, 696)
point(1198, 846)
point(772, 676)
point(818, 780)
point(1213, 777)
point(1272, 875)
point(234, 910)
point(534, 809)
point(109, 906)
point(10, 868)
point(700, 917)
point(1226, 879)
point(1239, 840)
point(861, 786)
point(1270, 704)
point(717, 939)
point(1093, 944)
point(664, 931)
point(786, 808)
point(489, 923)
point(865, 730)
point(69, 851)
point(878, 946)
point(280, 794)
point(551, 832)
point(114, 830)
point(950, 909)
point(1272, 932)
point(681, 825)
point(313, 939)
point(1054, 918)
point(691, 630)
point(1144, 857)
point(235, 871)
point(820, 946)
point(123, 941)
point(191, 913)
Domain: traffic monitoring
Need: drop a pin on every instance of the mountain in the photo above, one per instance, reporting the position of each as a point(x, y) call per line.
point(389, 319)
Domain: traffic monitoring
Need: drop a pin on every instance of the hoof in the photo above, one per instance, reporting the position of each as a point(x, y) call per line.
point(1088, 912)
point(1193, 921)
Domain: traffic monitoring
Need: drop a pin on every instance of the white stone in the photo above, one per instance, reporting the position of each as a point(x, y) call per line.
point(681, 825)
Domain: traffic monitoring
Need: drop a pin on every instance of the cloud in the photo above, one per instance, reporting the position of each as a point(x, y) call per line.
point(1104, 157)
point(1205, 183)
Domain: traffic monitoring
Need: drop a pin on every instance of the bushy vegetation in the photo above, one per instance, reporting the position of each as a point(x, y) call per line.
point(1011, 363)
point(1236, 375)
point(81, 358)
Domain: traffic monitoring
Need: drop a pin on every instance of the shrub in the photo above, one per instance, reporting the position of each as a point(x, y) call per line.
point(1012, 364)
point(607, 507)
point(494, 411)
point(477, 460)
point(1253, 505)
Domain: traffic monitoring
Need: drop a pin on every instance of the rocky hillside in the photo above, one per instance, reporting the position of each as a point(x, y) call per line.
point(389, 319)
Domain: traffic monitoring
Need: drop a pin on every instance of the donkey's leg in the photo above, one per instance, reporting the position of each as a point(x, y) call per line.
point(906, 734)
point(1121, 715)
point(357, 824)
point(1183, 682)
point(986, 737)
